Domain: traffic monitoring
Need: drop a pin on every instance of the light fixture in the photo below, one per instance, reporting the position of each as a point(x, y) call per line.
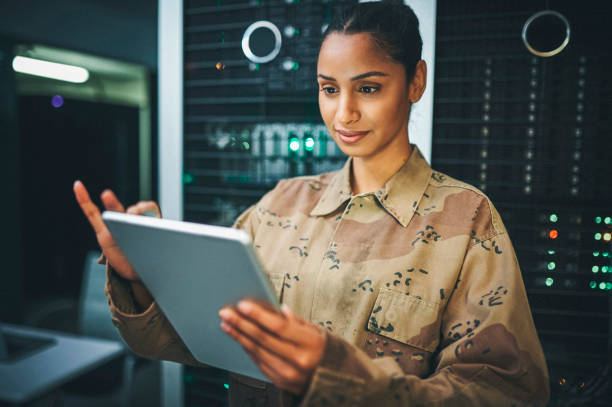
point(52, 70)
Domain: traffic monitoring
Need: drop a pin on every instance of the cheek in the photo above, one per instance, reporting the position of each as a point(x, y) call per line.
point(326, 108)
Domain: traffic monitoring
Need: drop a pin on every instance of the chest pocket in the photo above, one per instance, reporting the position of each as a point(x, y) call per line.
point(406, 319)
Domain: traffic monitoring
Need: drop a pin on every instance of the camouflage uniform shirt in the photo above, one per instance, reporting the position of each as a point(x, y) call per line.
point(416, 284)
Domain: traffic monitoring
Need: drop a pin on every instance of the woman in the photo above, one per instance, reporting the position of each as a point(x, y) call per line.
point(400, 285)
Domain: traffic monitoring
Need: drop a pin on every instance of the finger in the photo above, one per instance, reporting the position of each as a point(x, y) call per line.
point(142, 207)
point(256, 333)
point(277, 369)
point(272, 321)
point(274, 376)
point(111, 202)
point(91, 211)
point(286, 311)
point(149, 206)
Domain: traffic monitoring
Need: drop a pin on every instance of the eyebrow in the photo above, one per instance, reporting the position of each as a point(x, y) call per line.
point(355, 78)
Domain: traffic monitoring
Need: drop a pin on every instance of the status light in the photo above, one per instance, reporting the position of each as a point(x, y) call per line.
point(551, 265)
point(598, 219)
point(551, 252)
point(226, 386)
point(596, 253)
point(553, 234)
point(553, 217)
point(187, 178)
point(294, 144)
point(607, 220)
point(549, 282)
point(607, 236)
point(592, 284)
point(309, 144)
point(604, 269)
point(595, 269)
point(602, 286)
point(597, 236)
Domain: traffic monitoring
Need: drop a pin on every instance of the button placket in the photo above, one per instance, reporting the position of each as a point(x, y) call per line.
point(330, 263)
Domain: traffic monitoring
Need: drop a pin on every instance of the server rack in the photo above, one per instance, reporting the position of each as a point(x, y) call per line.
point(531, 132)
point(248, 124)
point(534, 134)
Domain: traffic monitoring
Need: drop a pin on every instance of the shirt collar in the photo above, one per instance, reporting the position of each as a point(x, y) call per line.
point(400, 196)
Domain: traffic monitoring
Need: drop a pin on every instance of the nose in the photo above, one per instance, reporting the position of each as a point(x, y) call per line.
point(348, 110)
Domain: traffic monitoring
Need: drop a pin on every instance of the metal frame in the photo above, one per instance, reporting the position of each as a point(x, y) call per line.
point(420, 127)
point(170, 101)
point(542, 14)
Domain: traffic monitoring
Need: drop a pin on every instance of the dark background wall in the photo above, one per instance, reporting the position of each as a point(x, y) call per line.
point(38, 142)
point(125, 30)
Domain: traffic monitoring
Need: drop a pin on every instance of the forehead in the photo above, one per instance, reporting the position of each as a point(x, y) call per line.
point(348, 55)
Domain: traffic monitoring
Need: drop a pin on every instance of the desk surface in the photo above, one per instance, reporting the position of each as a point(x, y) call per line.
point(37, 373)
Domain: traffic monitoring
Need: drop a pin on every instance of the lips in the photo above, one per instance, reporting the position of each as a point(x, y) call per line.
point(351, 137)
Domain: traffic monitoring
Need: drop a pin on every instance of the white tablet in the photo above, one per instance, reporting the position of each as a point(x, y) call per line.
point(192, 271)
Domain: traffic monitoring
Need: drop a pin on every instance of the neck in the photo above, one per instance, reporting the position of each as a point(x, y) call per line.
point(372, 173)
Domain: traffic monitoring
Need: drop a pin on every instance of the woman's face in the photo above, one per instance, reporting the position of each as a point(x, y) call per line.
point(363, 96)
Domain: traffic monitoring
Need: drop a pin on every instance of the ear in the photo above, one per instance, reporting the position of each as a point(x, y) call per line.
point(419, 81)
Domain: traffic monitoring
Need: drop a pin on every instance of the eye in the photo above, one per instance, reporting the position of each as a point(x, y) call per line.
point(329, 90)
point(368, 89)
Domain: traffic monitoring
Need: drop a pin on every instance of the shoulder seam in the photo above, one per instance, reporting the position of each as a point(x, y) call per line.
point(459, 184)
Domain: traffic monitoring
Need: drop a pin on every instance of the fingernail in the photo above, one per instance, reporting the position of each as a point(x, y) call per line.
point(224, 313)
point(245, 307)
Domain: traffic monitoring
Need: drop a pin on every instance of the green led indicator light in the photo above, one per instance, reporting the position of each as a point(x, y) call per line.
point(602, 286)
point(309, 144)
point(553, 218)
point(595, 253)
point(593, 284)
point(551, 265)
point(549, 282)
point(226, 386)
point(187, 178)
point(294, 144)
point(607, 220)
point(597, 236)
point(604, 269)
point(598, 219)
point(608, 285)
point(605, 254)
point(551, 252)
point(595, 269)
point(607, 236)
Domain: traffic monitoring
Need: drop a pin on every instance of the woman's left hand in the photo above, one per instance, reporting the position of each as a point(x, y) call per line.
point(286, 348)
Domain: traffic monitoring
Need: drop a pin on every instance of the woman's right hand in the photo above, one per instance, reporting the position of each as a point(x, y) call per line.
point(112, 252)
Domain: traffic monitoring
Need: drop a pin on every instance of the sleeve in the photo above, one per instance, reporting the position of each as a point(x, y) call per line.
point(149, 333)
point(489, 352)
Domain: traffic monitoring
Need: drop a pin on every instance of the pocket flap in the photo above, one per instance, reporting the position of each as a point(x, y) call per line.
point(406, 318)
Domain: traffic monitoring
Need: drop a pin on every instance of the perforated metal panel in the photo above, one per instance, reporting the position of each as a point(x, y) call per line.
point(248, 125)
point(534, 134)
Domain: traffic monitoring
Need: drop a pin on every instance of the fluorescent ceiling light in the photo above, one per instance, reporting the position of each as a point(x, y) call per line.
point(53, 70)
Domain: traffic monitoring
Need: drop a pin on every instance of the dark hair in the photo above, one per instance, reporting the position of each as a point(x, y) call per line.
point(392, 24)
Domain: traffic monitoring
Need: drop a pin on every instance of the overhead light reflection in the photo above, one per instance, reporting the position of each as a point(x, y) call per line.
point(52, 70)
